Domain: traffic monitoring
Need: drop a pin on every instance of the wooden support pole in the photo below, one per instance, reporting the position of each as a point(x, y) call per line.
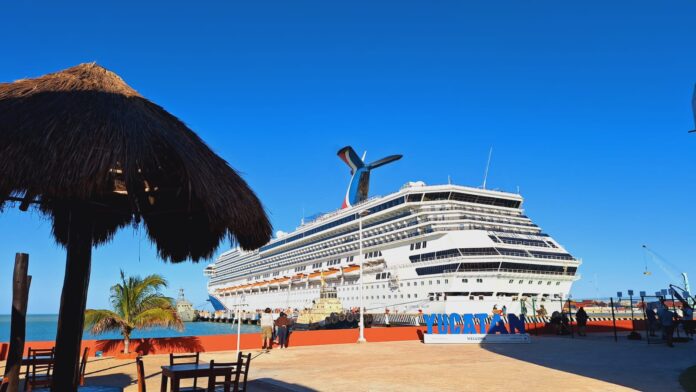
point(73, 301)
point(20, 297)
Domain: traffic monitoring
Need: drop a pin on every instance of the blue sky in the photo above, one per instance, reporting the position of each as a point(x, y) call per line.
point(586, 106)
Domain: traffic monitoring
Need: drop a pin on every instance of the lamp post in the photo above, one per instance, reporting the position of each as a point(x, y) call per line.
point(361, 214)
point(238, 316)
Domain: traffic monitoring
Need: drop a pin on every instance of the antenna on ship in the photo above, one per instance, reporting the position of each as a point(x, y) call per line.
point(449, 180)
point(488, 165)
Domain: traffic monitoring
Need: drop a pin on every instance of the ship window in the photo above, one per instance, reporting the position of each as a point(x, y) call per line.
point(479, 280)
point(530, 282)
point(416, 197)
point(408, 283)
point(412, 246)
point(558, 283)
point(418, 245)
point(425, 243)
point(446, 281)
point(422, 283)
point(465, 280)
point(401, 285)
point(430, 282)
point(415, 295)
point(548, 283)
point(521, 281)
point(408, 295)
point(438, 281)
point(436, 196)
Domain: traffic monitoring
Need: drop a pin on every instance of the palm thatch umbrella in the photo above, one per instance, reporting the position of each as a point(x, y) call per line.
point(95, 156)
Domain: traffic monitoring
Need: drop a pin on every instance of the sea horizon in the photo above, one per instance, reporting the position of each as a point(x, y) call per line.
point(43, 327)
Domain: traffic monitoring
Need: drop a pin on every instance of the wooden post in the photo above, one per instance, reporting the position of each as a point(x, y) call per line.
point(73, 301)
point(20, 297)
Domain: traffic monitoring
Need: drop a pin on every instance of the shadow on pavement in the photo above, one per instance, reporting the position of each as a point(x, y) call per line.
point(113, 380)
point(273, 385)
point(632, 364)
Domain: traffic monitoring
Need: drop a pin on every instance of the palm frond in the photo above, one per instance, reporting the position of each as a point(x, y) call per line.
point(99, 321)
point(155, 301)
point(147, 286)
point(159, 317)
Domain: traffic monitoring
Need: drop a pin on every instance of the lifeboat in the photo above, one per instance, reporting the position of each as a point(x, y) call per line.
point(299, 278)
point(351, 270)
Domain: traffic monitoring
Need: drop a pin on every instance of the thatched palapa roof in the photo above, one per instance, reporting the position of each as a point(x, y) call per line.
point(83, 137)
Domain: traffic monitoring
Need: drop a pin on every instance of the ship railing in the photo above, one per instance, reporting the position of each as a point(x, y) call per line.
point(508, 270)
point(331, 214)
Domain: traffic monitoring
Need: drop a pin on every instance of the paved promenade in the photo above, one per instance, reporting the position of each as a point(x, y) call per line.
point(548, 363)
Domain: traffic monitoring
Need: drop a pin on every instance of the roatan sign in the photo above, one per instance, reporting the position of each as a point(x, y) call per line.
point(456, 328)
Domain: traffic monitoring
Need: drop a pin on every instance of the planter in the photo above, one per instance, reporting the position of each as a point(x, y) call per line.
point(121, 355)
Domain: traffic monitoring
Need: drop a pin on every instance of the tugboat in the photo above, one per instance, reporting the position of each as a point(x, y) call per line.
point(326, 313)
point(184, 308)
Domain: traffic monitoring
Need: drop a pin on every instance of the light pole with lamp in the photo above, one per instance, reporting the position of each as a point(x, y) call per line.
point(361, 214)
point(238, 317)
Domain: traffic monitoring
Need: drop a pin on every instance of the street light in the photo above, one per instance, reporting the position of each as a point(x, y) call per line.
point(238, 316)
point(361, 214)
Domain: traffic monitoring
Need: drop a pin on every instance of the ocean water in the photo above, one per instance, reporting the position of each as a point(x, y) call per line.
point(42, 327)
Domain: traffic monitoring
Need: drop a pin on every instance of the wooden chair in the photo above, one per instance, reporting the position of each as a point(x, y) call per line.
point(39, 368)
point(242, 372)
point(186, 359)
point(83, 366)
point(215, 385)
point(141, 374)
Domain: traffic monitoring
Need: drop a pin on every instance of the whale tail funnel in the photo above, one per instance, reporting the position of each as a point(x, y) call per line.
point(359, 186)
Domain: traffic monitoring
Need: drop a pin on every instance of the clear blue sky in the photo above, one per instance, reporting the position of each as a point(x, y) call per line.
point(586, 105)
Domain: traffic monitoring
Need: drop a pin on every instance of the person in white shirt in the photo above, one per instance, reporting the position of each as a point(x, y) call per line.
point(266, 323)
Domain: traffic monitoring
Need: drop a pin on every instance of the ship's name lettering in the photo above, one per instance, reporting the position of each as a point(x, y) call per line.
point(456, 323)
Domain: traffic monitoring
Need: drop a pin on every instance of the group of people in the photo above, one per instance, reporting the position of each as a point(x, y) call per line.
point(501, 312)
point(668, 321)
point(274, 330)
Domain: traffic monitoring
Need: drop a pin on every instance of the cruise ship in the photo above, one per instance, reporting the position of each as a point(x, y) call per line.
point(425, 248)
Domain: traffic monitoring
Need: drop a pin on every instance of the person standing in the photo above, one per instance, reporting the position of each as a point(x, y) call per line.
point(581, 317)
point(667, 322)
point(266, 323)
point(652, 320)
point(283, 325)
point(688, 322)
point(504, 311)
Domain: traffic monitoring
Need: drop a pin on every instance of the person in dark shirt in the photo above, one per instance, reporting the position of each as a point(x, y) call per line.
point(667, 319)
point(283, 324)
point(652, 320)
point(581, 317)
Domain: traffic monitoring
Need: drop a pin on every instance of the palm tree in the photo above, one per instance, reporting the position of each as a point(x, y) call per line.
point(137, 304)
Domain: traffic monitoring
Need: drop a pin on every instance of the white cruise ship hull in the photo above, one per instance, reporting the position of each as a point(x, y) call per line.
point(430, 249)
